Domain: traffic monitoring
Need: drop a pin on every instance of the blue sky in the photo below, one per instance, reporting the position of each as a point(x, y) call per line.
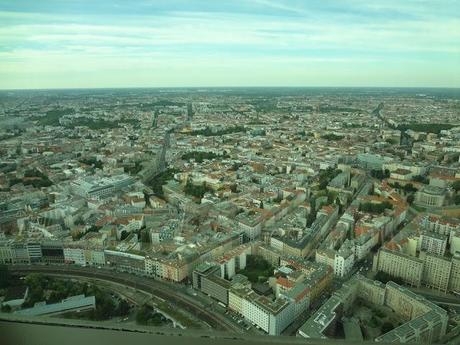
point(139, 43)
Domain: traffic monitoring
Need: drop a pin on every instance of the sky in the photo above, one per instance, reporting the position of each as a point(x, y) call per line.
point(174, 43)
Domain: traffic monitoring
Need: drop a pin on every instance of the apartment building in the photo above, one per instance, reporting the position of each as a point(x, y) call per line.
point(396, 264)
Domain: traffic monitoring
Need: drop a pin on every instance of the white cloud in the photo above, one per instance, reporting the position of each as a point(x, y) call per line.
point(230, 45)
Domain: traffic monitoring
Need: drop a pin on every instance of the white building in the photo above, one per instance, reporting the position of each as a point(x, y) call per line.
point(75, 256)
point(344, 259)
point(364, 244)
point(100, 187)
point(271, 316)
point(434, 243)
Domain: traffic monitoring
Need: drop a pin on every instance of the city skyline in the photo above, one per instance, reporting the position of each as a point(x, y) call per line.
point(78, 44)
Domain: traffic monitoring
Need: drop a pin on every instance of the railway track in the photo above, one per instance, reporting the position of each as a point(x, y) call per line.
point(148, 285)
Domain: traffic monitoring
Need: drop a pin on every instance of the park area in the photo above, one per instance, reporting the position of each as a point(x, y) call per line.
point(374, 320)
point(258, 270)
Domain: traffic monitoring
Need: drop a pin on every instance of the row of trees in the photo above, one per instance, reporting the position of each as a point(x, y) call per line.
point(33, 177)
point(332, 136)
point(208, 132)
point(146, 315)
point(425, 127)
point(421, 179)
point(456, 185)
point(326, 176)
point(200, 156)
point(160, 180)
point(51, 290)
point(380, 174)
point(375, 207)
point(91, 161)
point(408, 187)
point(197, 191)
point(52, 117)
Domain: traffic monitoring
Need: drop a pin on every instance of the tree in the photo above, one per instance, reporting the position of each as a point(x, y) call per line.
point(145, 236)
point(257, 269)
point(158, 181)
point(391, 141)
point(123, 235)
point(311, 217)
point(456, 185)
point(386, 327)
point(143, 314)
point(408, 187)
point(197, 191)
point(37, 283)
point(457, 199)
point(410, 199)
point(326, 176)
point(421, 179)
point(200, 156)
point(380, 174)
point(208, 132)
point(332, 136)
point(92, 161)
point(425, 127)
point(6, 308)
point(331, 196)
point(234, 188)
point(123, 308)
point(375, 207)
point(4, 276)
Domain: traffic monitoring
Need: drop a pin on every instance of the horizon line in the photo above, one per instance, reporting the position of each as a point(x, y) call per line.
point(230, 87)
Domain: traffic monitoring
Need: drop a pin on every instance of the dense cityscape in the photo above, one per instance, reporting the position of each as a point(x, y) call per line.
point(308, 213)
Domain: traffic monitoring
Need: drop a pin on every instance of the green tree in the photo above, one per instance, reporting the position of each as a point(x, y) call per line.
point(4, 276)
point(143, 314)
point(410, 199)
point(456, 185)
point(386, 327)
point(257, 269)
point(408, 188)
point(123, 308)
point(457, 199)
point(6, 308)
point(197, 191)
point(124, 235)
point(421, 179)
point(376, 208)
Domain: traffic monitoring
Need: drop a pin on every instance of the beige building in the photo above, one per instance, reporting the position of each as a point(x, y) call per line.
point(436, 271)
point(408, 268)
